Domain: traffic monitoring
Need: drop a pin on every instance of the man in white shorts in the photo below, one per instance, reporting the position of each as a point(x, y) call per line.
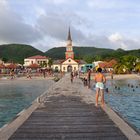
point(100, 80)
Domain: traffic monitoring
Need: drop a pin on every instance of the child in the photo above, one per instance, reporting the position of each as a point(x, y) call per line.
point(100, 80)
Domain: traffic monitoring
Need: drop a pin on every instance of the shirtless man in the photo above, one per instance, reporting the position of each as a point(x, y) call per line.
point(100, 80)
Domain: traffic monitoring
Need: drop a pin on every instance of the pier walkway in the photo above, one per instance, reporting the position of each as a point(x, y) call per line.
point(67, 112)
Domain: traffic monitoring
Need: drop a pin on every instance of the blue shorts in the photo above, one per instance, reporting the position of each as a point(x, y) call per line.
point(100, 85)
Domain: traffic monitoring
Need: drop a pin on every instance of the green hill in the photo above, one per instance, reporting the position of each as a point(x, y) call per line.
point(17, 52)
point(82, 52)
point(59, 52)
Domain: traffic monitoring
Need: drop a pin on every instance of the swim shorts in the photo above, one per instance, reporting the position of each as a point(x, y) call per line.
point(100, 85)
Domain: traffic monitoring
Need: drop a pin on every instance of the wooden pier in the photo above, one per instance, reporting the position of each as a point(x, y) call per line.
point(67, 112)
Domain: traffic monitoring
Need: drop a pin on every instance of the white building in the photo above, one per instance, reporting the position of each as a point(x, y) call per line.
point(38, 59)
point(69, 64)
point(96, 63)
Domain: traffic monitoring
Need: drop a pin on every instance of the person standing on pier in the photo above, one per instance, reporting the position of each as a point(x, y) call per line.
point(100, 81)
point(111, 74)
point(71, 77)
point(88, 78)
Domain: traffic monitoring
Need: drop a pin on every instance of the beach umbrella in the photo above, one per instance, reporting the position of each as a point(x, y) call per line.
point(2, 66)
point(34, 66)
point(11, 66)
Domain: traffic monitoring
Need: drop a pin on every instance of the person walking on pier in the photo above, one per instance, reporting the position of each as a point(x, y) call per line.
point(71, 77)
point(100, 80)
point(111, 74)
point(88, 78)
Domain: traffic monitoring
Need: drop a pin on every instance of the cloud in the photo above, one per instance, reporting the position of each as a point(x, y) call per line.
point(13, 29)
point(120, 41)
point(112, 4)
point(45, 24)
point(57, 1)
point(115, 37)
point(103, 4)
point(56, 26)
point(55, 29)
point(3, 3)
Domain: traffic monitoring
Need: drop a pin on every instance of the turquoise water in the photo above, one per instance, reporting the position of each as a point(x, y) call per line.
point(124, 98)
point(15, 95)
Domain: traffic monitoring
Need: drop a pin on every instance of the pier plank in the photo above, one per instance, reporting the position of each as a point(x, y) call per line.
point(68, 118)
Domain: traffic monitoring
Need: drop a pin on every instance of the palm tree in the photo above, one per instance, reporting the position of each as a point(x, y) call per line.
point(50, 62)
point(129, 61)
point(120, 68)
point(137, 67)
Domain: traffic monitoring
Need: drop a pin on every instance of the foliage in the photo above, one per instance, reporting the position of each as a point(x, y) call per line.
point(127, 64)
point(56, 53)
point(88, 58)
point(129, 61)
point(79, 52)
point(120, 68)
point(50, 62)
point(91, 53)
point(137, 67)
point(17, 52)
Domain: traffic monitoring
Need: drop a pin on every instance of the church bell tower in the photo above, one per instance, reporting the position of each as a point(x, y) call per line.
point(69, 49)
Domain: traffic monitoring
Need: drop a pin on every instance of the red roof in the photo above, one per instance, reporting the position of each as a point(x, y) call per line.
point(37, 57)
point(103, 64)
point(109, 64)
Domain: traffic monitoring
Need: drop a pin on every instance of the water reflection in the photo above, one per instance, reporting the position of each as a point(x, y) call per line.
point(17, 95)
point(124, 97)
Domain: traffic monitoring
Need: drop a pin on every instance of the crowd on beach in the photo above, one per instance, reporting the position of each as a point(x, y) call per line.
point(27, 72)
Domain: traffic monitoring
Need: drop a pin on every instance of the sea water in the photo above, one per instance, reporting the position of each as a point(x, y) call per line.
point(124, 97)
point(15, 95)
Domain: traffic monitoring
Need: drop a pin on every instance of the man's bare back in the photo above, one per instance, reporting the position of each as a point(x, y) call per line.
point(99, 77)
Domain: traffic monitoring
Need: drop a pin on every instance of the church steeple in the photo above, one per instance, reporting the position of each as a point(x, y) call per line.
point(69, 35)
point(69, 49)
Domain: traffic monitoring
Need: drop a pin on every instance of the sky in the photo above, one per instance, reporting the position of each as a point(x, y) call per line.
point(44, 24)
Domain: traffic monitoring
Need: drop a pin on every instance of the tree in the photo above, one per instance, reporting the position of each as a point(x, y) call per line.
point(97, 58)
point(50, 62)
point(137, 67)
point(88, 58)
point(120, 68)
point(129, 61)
point(4, 59)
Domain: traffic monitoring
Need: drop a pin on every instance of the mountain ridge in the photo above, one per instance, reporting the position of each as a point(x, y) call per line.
point(17, 52)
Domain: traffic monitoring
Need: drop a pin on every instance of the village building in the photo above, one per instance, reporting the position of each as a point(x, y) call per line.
point(38, 60)
point(108, 66)
point(69, 64)
point(1, 62)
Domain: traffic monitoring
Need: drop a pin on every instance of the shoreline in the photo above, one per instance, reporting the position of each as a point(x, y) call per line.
point(25, 78)
point(124, 76)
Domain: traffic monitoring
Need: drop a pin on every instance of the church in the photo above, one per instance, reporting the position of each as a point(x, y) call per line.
point(69, 64)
